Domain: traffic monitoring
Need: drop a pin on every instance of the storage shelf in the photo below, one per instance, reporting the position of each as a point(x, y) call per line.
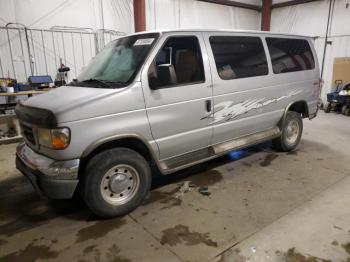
point(26, 93)
point(8, 140)
point(7, 115)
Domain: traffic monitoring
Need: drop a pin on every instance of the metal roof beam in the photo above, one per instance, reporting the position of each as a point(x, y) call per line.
point(293, 2)
point(233, 3)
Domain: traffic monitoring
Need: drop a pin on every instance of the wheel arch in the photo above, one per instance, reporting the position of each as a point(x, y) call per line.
point(134, 142)
point(299, 106)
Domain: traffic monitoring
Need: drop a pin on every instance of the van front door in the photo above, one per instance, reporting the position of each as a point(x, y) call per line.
point(178, 94)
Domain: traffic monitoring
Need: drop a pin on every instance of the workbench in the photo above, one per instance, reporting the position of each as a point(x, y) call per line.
point(15, 139)
point(26, 93)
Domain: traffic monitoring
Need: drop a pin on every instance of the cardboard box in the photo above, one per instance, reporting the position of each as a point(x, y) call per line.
point(341, 71)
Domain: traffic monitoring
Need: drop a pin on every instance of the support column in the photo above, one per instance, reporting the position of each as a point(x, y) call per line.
point(266, 15)
point(139, 15)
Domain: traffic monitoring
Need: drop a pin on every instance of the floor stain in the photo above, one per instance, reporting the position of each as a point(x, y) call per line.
point(31, 253)
point(292, 153)
point(171, 202)
point(180, 233)
point(166, 198)
point(268, 159)
point(335, 243)
point(144, 213)
point(293, 256)
point(113, 255)
point(99, 229)
point(156, 195)
point(247, 164)
point(25, 210)
point(233, 255)
point(3, 242)
point(89, 249)
point(346, 247)
point(13, 183)
point(230, 169)
point(245, 202)
point(208, 178)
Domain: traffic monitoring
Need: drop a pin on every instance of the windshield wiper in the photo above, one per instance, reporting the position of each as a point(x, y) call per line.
point(94, 80)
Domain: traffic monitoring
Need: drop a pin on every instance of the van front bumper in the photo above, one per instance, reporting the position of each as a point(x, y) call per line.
point(54, 179)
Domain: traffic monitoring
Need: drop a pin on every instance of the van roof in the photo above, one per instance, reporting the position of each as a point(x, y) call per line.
point(222, 30)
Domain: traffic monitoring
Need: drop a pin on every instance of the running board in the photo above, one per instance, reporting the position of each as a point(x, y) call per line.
point(189, 159)
point(247, 141)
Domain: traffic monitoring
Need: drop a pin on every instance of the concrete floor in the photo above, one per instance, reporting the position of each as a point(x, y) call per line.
point(264, 206)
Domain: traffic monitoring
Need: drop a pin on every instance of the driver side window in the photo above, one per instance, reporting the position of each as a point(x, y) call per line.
point(178, 62)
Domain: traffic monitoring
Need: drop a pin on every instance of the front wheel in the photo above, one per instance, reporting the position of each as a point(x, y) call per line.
point(115, 182)
point(291, 132)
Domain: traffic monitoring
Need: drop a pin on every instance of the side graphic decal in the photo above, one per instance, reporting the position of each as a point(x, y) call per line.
point(226, 111)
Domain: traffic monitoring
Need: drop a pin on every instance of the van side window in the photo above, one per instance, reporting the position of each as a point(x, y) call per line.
point(178, 62)
point(238, 56)
point(290, 55)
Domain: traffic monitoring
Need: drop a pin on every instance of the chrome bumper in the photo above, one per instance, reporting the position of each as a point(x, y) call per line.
point(47, 166)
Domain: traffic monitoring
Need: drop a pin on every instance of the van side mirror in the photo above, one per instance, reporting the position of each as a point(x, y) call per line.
point(166, 76)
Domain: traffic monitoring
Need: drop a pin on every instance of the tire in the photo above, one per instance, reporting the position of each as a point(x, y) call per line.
point(343, 109)
point(347, 112)
point(291, 133)
point(115, 182)
point(327, 107)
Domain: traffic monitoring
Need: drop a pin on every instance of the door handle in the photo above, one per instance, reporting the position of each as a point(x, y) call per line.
point(208, 105)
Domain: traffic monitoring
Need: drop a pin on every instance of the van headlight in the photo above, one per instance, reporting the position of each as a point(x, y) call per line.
point(58, 138)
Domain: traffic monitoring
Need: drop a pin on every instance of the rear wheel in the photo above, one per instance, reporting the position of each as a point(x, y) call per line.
point(291, 132)
point(116, 181)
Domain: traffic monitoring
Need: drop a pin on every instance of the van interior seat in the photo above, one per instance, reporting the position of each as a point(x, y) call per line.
point(186, 66)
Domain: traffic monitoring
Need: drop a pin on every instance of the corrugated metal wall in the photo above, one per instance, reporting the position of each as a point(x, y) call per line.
point(38, 52)
point(311, 19)
point(170, 14)
point(47, 45)
point(43, 14)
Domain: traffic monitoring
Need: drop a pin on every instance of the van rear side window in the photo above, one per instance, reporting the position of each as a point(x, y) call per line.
point(238, 56)
point(290, 55)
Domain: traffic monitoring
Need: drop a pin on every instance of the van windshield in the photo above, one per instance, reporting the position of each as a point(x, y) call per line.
point(118, 63)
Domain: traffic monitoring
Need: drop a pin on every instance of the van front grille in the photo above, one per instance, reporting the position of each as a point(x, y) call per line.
point(28, 133)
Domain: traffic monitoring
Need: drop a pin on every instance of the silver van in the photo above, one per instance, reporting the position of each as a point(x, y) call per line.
point(163, 101)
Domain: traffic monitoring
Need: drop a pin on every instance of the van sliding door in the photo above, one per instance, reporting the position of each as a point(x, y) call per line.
point(245, 99)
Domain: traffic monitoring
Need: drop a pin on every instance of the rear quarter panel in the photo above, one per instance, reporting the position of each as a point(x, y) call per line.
point(301, 85)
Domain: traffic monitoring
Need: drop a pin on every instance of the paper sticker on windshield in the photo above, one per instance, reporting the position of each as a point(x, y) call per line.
point(145, 41)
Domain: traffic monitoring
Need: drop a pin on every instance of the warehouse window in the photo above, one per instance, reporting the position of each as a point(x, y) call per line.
point(178, 62)
point(238, 56)
point(290, 55)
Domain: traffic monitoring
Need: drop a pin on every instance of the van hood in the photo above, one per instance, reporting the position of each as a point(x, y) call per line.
point(72, 103)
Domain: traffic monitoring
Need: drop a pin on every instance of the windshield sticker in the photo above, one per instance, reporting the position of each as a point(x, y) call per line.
point(145, 41)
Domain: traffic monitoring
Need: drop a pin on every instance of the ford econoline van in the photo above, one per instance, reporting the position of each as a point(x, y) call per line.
point(163, 101)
